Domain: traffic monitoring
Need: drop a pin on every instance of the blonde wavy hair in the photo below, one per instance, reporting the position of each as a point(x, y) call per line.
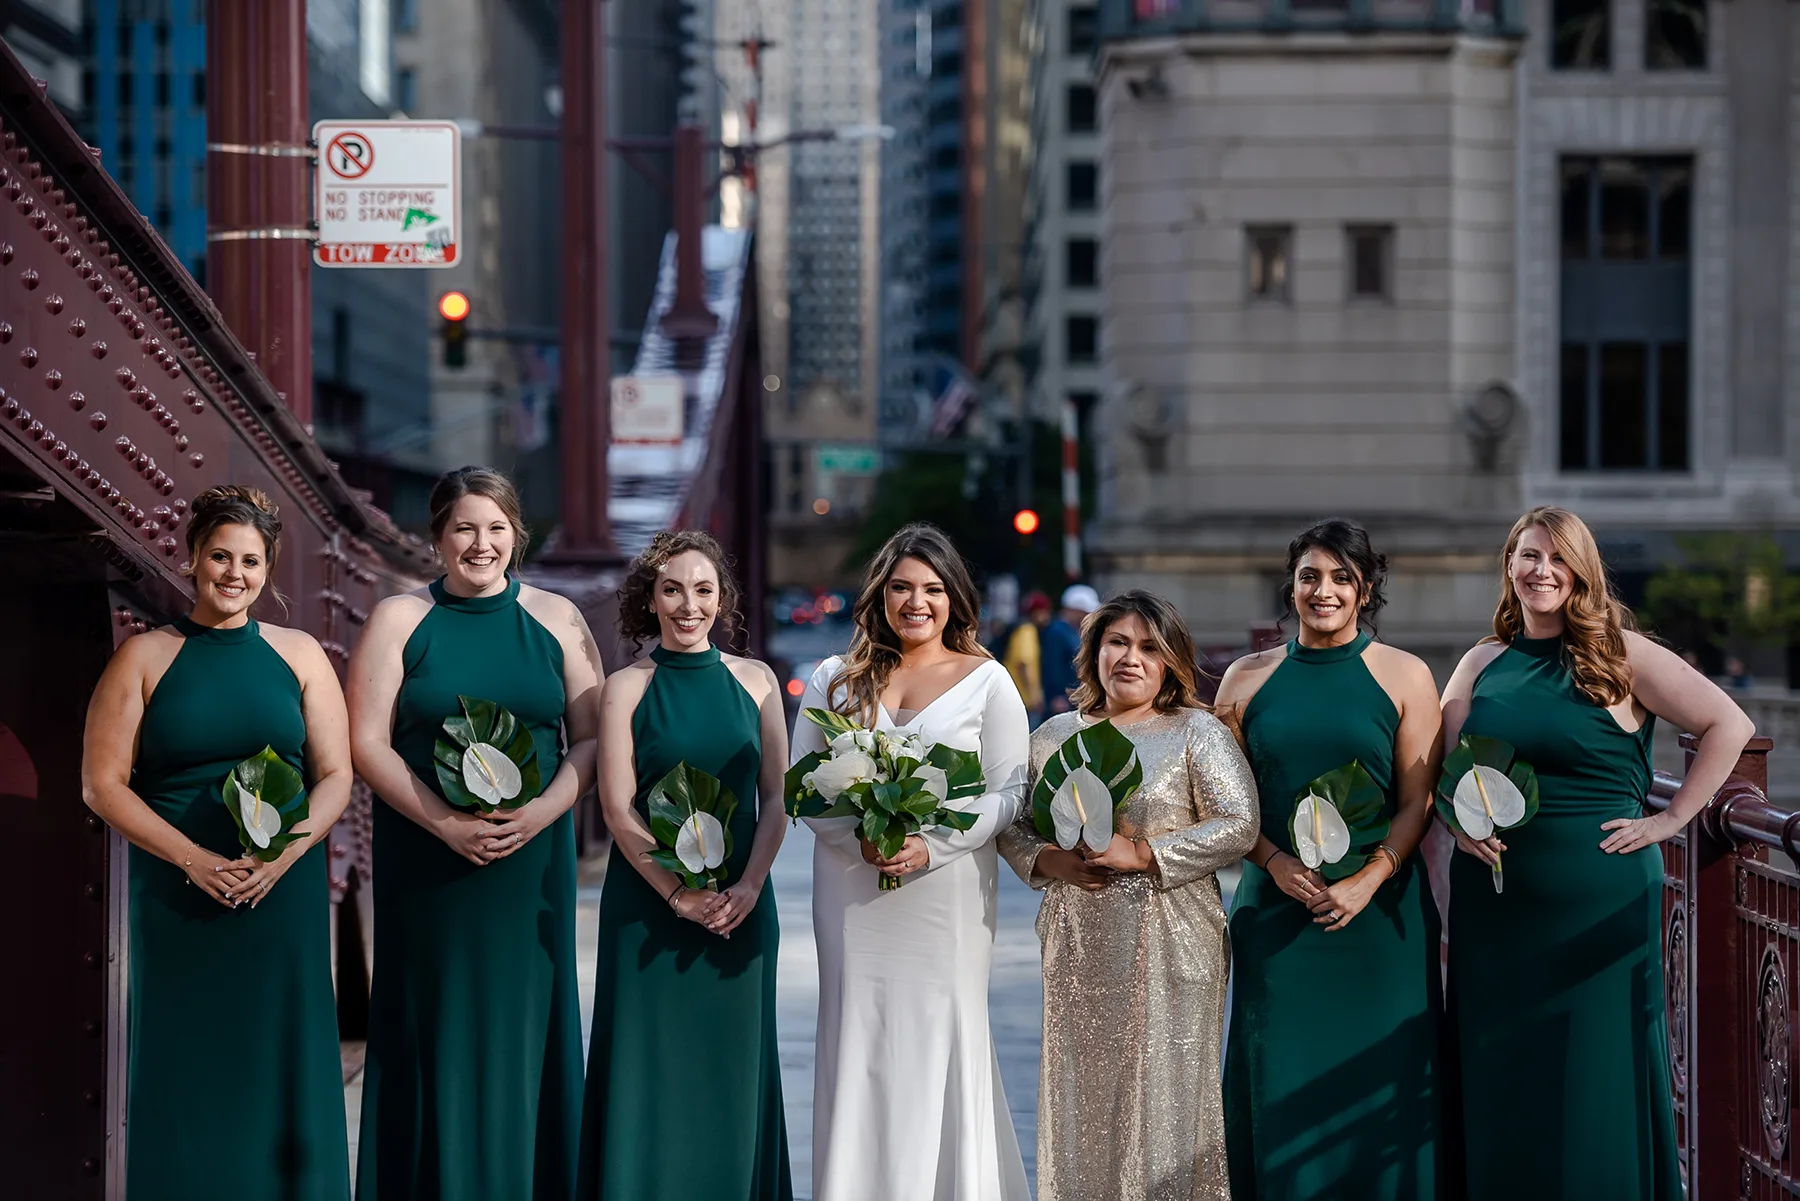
point(1594, 620)
point(874, 646)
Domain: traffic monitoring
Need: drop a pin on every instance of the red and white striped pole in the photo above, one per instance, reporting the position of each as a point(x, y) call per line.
point(1071, 490)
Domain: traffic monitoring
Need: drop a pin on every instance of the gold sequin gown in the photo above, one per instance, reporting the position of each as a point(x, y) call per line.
point(1134, 976)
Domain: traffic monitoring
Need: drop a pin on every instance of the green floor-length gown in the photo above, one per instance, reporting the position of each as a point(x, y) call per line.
point(1556, 984)
point(684, 1082)
point(1332, 1075)
point(235, 1087)
point(472, 1090)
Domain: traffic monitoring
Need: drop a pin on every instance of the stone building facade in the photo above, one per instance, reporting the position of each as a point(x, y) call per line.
point(1425, 265)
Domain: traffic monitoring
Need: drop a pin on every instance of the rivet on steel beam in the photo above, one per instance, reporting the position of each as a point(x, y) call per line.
point(168, 547)
point(93, 825)
point(29, 278)
point(197, 459)
point(181, 442)
point(53, 379)
point(24, 418)
point(77, 328)
point(180, 506)
point(53, 303)
point(29, 357)
point(99, 350)
point(36, 431)
point(5, 331)
point(126, 379)
point(77, 401)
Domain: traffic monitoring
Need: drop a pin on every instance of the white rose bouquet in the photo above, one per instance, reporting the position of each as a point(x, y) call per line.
point(891, 781)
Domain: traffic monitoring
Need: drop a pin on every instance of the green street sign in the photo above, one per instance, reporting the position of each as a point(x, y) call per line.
point(847, 459)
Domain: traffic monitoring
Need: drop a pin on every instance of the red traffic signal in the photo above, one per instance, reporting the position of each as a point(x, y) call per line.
point(453, 306)
point(1026, 522)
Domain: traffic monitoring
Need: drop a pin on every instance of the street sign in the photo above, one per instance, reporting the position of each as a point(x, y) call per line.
point(388, 193)
point(648, 410)
point(847, 459)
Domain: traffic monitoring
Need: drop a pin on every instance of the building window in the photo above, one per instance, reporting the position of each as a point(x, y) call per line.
point(1371, 255)
point(406, 89)
point(1084, 29)
point(1082, 263)
point(1581, 35)
point(1269, 249)
point(1081, 339)
point(406, 15)
point(1083, 116)
point(1624, 389)
point(1675, 35)
point(1084, 185)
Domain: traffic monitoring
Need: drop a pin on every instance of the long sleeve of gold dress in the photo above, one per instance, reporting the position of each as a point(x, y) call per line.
point(1134, 976)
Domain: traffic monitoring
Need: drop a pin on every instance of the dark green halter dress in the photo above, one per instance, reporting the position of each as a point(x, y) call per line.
point(1332, 1075)
point(234, 1083)
point(684, 1080)
point(1556, 984)
point(472, 1090)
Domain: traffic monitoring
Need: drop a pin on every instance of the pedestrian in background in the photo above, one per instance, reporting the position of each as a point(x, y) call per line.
point(1060, 642)
point(1023, 655)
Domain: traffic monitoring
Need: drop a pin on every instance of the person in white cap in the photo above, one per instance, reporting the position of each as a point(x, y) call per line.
point(1059, 641)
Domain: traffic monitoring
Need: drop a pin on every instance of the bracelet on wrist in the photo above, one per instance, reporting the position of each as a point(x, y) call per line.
point(1392, 855)
point(673, 893)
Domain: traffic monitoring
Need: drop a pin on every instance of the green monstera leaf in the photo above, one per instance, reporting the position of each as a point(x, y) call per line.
point(690, 817)
point(266, 799)
point(1339, 819)
point(1486, 787)
point(486, 758)
point(1084, 785)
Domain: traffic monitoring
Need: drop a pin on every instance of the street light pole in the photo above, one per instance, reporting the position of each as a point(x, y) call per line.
point(586, 535)
point(258, 189)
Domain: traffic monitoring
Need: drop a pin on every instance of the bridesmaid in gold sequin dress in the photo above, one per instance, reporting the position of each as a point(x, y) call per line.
point(1134, 937)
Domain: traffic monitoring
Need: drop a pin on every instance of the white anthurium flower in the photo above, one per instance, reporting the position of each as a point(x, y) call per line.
point(489, 774)
point(1082, 811)
point(937, 783)
point(839, 772)
point(261, 821)
point(1486, 799)
point(1320, 835)
point(701, 844)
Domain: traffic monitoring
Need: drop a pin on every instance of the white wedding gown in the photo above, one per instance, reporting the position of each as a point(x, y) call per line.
point(907, 1101)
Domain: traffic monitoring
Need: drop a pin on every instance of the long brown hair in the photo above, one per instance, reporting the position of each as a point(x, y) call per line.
point(637, 616)
point(1174, 645)
point(874, 646)
point(1594, 620)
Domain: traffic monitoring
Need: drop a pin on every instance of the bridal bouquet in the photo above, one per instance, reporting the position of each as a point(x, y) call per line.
point(486, 758)
point(1338, 813)
point(1486, 787)
point(690, 817)
point(892, 782)
point(267, 799)
point(1084, 785)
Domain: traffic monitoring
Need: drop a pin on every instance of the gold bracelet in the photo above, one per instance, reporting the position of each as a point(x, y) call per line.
point(1392, 854)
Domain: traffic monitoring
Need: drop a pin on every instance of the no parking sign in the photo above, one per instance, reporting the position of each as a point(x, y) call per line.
point(389, 193)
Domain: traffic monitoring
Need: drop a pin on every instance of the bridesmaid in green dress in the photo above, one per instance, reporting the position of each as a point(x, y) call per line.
point(472, 1086)
point(1332, 1075)
point(683, 1082)
point(234, 1087)
point(1556, 984)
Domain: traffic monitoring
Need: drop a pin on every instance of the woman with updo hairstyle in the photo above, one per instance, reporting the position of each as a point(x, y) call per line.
point(472, 1084)
point(1333, 1080)
point(234, 1083)
point(1129, 1106)
point(684, 1078)
point(907, 1099)
point(1556, 1004)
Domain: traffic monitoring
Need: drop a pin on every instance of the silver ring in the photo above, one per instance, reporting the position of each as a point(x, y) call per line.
point(1333, 915)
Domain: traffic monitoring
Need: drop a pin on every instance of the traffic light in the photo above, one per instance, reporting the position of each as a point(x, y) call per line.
point(1025, 521)
point(453, 307)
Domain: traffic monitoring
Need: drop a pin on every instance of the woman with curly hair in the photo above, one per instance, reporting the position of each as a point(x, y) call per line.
point(684, 1082)
point(1135, 930)
point(472, 1089)
point(215, 931)
point(907, 1102)
point(1556, 984)
point(1333, 1081)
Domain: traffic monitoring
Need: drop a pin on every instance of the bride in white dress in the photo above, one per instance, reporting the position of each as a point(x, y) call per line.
point(907, 1102)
